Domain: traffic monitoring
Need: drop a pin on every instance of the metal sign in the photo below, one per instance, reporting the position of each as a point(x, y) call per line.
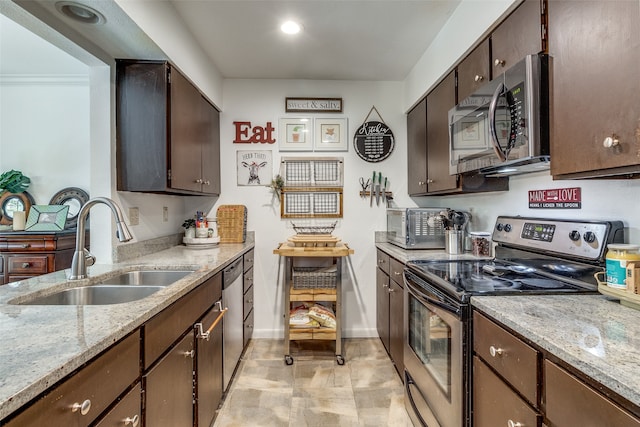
point(557, 198)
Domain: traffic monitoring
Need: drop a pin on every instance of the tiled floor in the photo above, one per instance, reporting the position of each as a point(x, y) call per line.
point(315, 390)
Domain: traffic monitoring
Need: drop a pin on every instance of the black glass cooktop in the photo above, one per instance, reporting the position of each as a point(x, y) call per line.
point(496, 277)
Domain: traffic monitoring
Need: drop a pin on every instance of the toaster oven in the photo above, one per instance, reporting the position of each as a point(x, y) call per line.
point(416, 228)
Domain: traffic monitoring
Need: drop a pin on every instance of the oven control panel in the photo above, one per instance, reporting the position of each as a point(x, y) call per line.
point(584, 239)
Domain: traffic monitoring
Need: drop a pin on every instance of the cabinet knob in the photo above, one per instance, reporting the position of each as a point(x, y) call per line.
point(26, 265)
point(207, 183)
point(495, 351)
point(390, 290)
point(499, 62)
point(250, 301)
point(429, 181)
point(610, 141)
point(512, 423)
point(421, 183)
point(132, 421)
point(198, 181)
point(190, 354)
point(478, 78)
point(380, 261)
point(397, 273)
point(83, 407)
point(384, 285)
point(26, 245)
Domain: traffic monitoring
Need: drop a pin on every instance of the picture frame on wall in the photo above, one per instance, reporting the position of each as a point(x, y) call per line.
point(254, 167)
point(331, 134)
point(295, 134)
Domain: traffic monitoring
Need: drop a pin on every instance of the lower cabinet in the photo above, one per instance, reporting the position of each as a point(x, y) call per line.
point(390, 308)
point(127, 412)
point(169, 387)
point(248, 306)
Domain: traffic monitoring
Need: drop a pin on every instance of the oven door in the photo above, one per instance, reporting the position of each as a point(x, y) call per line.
point(434, 356)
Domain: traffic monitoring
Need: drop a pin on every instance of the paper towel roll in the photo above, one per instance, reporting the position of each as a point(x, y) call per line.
point(19, 219)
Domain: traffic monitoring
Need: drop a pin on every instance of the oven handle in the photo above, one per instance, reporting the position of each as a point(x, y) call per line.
point(441, 300)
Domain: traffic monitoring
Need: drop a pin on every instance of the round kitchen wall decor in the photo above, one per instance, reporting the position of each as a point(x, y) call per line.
point(73, 197)
point(373, 140)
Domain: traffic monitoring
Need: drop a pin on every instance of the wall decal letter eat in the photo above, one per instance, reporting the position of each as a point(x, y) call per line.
point(246, 134)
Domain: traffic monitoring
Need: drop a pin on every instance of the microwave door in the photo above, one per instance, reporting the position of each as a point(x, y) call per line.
point(468, 136)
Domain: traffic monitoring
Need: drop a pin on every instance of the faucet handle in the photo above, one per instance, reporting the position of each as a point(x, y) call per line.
point(89, 259)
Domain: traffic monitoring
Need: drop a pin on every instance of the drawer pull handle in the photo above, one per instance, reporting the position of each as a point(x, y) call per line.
point(478, 78)
point(390, 290)
point(26, 265)
point(26, 245)
point(190, 354)
point(83, 407)
point(200, 333)
point(495, 351)
point(132, 421)
point(499, 62)
point(250, 301)
point(397, 273)
point(512, 423)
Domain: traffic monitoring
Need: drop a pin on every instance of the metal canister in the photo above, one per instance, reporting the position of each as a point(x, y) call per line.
point(618, 255)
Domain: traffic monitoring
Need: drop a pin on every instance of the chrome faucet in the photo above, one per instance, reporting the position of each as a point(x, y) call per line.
point(81, 257)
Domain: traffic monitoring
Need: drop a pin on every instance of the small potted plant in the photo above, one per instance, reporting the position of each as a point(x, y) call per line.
point(189, 226)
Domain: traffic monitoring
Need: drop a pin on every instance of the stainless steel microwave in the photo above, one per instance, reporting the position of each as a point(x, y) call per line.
point(416, 228)
point(502, 129)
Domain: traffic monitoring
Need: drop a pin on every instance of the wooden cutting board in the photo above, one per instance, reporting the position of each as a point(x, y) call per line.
point(314, 240)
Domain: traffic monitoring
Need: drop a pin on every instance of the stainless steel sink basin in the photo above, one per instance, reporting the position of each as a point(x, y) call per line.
point(95, 295)
point(147, 277)
point(126, 287)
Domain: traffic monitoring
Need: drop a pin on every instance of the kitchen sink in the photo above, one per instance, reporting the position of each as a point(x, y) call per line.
point(126, 287)
point(147, 277)
point(95, 295)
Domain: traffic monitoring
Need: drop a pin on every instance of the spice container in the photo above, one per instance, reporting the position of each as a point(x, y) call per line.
point(480, 243)
point(618, 255)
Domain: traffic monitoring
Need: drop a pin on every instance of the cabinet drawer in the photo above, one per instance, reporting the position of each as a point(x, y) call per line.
point(514, 360)
point(570, 402)
point(166, 327)
point(100, 382)
point(396, 271)
point(128, 409)
point(247, 280)
point(27, 264)
point(248, 329)
point(248, 302)
point(247, 259)
point(383, 261)
point(495, 404)
point(28, 245)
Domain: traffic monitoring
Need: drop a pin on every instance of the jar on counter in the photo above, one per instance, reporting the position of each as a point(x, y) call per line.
point(480, 243)
point(618, 255)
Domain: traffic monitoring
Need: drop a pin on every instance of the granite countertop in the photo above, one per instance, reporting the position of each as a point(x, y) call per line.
point(593, 333)
point(43, 344)
point(404, 255)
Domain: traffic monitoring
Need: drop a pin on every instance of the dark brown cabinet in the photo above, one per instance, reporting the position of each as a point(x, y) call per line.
point(247, 290)
point(168, 134)
point(127, 412)
point(26, 254)
point(390, 308)
point(474, 70)
point(595, 52)
point(209, 369)
point(522, 33)
point(417, 149)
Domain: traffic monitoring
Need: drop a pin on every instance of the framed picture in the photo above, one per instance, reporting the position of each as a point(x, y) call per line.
point(295, 134)
point(47, 218)
point(254, 167)
point(473, 134)
point(331, 134)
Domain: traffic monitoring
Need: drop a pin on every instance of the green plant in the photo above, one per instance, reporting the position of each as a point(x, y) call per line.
point(189, 223)
point(14, 182)
point(277, 184)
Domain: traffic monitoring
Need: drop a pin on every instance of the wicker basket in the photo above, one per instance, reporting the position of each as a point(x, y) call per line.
point(232, 223)
point(314, 277)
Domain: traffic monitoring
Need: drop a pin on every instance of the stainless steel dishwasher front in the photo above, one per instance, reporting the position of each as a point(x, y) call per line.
point(232, 322)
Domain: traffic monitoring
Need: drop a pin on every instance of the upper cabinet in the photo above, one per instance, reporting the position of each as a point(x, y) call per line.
point(168, 134)
point(595, 54)
point(474, 70)
point(522, 33)
point(417, 149)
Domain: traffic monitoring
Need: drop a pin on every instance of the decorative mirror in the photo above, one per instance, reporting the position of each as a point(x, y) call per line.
point(11, 202)
point(74, 198)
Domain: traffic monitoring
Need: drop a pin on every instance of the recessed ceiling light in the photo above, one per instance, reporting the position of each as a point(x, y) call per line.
point(80, 12)
point(291, 27)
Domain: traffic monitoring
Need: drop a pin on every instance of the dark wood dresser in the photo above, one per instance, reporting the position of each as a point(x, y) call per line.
point(25, 254)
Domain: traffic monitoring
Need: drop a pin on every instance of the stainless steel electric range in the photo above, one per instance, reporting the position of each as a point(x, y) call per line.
point(532, 256)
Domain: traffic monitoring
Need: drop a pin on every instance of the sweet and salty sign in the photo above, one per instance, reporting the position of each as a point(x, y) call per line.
point(311, 105)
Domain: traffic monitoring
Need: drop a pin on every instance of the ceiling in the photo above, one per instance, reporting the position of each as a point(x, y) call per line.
point(377, 40)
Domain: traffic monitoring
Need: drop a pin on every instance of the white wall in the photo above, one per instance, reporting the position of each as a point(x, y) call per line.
point(44, 131)
point(262, 101)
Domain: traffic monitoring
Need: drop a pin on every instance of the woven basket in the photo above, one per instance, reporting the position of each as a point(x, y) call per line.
point(313, 277)
point(232, 223)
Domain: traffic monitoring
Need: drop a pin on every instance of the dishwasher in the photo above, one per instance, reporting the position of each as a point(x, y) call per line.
point(233, 327)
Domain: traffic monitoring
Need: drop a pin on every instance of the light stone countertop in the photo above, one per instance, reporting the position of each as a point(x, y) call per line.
point(42, 344)
point(404, 255)
point(592, 333)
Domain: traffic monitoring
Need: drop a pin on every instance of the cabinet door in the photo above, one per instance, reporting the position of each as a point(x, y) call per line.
point(169, 387)
point(210, 148)
point(595, 54)
point(495, 404)
point(439, 102)
point(382, 307)
point(396, 329)
point(516, 37)
point(474, 71)
point(127, 412)
point(186, 134)
point(417, 149)
point(209, 371)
